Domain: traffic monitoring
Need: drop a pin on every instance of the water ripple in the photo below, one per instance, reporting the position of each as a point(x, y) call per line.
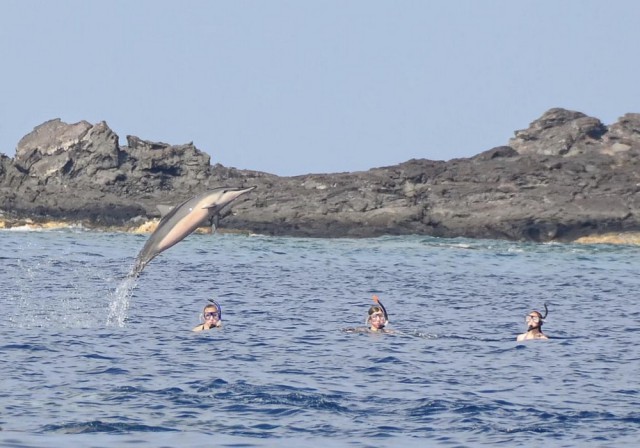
point(102, 427)
point(87, 354)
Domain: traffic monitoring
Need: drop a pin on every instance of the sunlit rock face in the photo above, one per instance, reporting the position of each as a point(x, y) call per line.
point(566, 176)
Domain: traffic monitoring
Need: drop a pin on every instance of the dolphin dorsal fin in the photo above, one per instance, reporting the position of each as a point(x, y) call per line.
point(164, 209)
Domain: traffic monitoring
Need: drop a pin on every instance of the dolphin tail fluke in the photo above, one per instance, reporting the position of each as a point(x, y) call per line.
point(137, 268)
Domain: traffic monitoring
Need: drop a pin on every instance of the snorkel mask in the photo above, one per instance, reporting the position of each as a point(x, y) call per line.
point(219, 308)
point(539, 315)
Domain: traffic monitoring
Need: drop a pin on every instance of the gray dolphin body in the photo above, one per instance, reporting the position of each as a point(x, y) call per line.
point(183, 219)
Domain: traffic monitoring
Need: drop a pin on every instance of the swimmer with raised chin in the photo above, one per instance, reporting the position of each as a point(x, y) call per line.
point(534, 321)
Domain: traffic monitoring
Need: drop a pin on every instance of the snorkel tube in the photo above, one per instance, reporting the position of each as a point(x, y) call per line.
point(384, 310)
point(540, 317)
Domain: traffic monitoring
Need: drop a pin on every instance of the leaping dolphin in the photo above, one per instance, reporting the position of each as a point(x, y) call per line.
point(183, 219)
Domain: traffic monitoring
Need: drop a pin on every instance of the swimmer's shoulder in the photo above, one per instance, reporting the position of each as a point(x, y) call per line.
point(527, 337)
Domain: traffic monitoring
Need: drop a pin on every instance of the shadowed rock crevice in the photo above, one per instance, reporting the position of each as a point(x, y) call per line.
point(567, 175)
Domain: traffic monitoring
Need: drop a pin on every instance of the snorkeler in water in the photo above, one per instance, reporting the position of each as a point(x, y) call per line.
point(534, 321)
point(377, 319)
point(212, 315)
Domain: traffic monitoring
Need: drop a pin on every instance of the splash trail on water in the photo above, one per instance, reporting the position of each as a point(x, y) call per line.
point(120, 300)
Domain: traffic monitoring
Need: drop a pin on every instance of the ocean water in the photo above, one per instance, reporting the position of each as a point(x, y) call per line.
point(89, 359)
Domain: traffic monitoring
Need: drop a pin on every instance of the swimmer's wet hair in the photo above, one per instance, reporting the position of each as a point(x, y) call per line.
point(375, 309)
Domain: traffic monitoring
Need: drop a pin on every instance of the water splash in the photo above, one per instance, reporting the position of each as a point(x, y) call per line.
point(51, 292)
point(120, 299)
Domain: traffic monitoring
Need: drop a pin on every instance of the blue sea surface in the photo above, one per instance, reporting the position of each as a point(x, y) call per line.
point(90, 359)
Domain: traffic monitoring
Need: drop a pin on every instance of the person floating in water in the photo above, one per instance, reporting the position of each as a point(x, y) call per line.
point(212, 315)
point(534, 321)
point(377, 319)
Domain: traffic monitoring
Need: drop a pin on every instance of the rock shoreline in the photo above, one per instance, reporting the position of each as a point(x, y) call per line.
point(566, 177)
point(624, 238)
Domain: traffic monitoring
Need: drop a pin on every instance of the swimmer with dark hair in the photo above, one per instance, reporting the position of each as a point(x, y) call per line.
point(534, 321)
point(377, 316)
point(377, 319)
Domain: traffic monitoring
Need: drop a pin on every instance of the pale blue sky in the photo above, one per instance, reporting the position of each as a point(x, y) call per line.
point(296, 87)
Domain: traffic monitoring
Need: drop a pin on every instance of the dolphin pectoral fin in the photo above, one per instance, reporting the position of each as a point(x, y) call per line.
point(214, 221)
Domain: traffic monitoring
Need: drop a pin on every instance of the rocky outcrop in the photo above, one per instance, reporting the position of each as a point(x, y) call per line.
point(566, 176)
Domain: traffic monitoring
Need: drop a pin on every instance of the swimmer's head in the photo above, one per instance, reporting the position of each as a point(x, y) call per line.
point(535, 319)
point(376, 317)
point(212, 313)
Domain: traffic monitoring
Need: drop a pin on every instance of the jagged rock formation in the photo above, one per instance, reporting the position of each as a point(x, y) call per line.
point(566, 176)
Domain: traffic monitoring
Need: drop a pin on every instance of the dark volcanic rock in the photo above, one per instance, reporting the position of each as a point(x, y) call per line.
point(566, 176)
point(560, 132)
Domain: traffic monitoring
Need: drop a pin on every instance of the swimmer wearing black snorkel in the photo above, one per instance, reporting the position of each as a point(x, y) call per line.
point(377, 319)
point(212, 316)
point(534, 321)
